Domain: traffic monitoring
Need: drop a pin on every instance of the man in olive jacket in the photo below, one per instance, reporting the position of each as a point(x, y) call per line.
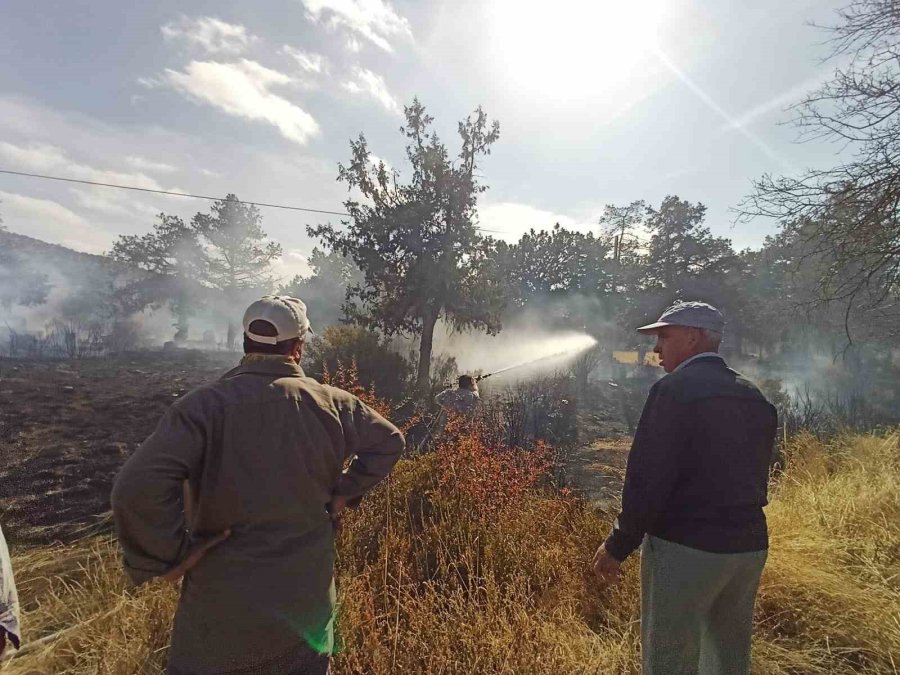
point(262, 451)
point(694, 493)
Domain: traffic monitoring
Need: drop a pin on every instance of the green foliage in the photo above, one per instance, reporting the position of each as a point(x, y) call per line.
point(174, 256)
point(681, 248)
point(377, 365)
point(225, 250)
point(416, 243)
point(559, 262)
point(237, 254)
point(172, 248)
point(620, 223)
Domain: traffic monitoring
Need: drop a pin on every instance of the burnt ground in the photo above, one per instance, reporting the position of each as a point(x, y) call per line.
point(66, 427)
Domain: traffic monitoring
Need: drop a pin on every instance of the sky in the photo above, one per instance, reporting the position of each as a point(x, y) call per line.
point(599, 102)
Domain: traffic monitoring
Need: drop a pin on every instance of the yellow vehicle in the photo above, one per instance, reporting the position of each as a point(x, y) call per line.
point(632, 358)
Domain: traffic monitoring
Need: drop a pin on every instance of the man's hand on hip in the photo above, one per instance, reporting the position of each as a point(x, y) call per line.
point(198, 550)
point(606, 567)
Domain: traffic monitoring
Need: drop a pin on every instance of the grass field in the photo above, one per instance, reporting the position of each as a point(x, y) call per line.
point(445, 571)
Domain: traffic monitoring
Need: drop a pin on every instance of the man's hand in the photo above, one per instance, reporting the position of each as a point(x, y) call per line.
point(336, 510)
point(194, 556)
point(606, 567)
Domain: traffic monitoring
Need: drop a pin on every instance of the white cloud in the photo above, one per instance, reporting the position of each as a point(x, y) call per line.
point(510, 220)
point(74, 144)
point(118, 204)
point(308, 61)
point(46, 158)
point(374, 20)
point(212, 35)
point(242, 89)
point(46, 219)
point(149, 83)
point(143, 164)
point(367, 83)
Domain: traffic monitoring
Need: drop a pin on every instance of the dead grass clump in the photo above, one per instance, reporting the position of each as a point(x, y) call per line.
point(81, 618)
point(440, 571)
point(830, 596)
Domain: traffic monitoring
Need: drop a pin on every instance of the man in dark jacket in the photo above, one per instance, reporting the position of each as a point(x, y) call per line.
point(694, 493)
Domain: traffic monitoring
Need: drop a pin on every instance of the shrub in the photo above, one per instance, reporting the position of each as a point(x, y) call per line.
point(378, 365)
point(463, 562)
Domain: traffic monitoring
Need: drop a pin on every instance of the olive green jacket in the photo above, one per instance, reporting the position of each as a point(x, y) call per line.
point(263, 450)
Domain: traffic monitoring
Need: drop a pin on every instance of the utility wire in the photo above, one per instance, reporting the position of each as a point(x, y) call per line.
point(186, 194)
point(168, 192)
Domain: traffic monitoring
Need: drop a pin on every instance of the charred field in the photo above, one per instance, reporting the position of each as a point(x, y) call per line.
point(435, 545)
point(67, 426)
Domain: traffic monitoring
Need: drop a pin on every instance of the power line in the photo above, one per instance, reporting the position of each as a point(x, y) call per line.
point(169, 192)
point(185, 194)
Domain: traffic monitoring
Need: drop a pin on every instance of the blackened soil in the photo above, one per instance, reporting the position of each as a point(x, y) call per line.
point(66, 427)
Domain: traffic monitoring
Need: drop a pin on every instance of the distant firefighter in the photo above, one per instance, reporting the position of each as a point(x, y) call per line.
point(9, 600)
point(464, 400)
point(264, 450)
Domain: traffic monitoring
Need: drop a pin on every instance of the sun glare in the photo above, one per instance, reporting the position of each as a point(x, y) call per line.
point(579, 48)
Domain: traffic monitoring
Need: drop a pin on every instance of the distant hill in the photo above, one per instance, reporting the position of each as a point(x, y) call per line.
point(86, 287)
point(55, 254)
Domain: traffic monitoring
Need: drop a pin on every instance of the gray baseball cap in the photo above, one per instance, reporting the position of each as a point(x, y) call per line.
point(690, 314)
point(287, 314)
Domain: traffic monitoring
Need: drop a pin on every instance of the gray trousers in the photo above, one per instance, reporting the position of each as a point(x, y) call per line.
point(298, 661)
point(696, 609)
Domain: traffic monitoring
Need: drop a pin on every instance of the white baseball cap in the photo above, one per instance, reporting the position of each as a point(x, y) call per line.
point(691, 314)
point(287, 314)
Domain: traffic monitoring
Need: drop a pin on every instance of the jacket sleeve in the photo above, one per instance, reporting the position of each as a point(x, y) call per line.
point(444, 397)
point(373, 443)
point(147, 498)
point(652, 471)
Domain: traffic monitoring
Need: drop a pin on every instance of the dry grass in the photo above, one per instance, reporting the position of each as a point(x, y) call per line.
point(435, 577)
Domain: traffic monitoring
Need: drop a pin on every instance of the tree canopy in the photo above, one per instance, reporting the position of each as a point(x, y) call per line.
point(416, 242)
point(225, 250)
point(847, 216)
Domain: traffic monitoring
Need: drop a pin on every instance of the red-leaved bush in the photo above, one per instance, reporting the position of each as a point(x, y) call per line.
point(475, 467)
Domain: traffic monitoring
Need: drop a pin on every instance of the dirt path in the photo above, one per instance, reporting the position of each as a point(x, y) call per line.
point(595, 471)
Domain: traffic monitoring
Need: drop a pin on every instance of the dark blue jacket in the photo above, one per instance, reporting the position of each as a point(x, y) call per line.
point(699, 464)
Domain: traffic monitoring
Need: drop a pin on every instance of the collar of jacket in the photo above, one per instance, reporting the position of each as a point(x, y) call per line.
point(269, 366)
point(697, 358)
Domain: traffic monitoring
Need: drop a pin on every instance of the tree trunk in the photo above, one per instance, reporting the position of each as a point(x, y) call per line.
point(231, 292)
point(423, 379)
point(182, 327)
